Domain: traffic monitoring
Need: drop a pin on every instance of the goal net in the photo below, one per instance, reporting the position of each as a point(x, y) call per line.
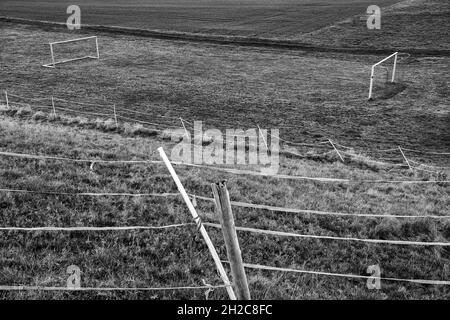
point(73, 50)
point(382, 74)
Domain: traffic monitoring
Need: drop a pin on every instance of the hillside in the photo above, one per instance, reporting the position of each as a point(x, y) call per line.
point(178, 257)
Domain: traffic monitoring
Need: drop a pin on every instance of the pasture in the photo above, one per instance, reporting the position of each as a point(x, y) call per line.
point(309, 96)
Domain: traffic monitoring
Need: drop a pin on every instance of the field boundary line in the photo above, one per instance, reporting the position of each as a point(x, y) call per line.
point(297, 235)
point(343, 275)
point(318, 212)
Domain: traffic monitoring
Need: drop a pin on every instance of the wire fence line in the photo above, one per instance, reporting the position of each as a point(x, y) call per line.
point(231, 170)
point(318, 212)
point(320, 144)
point(45, 288)
point(120, 228)
point(241, 229)
point(311, 236)
point(234, 203)
point(342, 275)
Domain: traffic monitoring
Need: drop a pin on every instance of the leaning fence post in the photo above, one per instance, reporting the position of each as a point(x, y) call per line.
point(53, 105)
point(223, 206)
point(406, 159)
point(335, 149)
point(199, 223)
point(6, 96)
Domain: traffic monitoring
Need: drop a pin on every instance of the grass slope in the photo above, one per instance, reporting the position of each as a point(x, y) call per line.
point(180, 257)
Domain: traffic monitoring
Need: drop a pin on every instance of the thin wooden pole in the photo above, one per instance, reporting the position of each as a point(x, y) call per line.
point(395, 68)
point(96, 45)
point(371, 82)
point(7, 101)
point(201, 227)
point(223, 206)
point(185, 130)
point(115, 115)
point(262, 136)
point(335, 149)
point(53, 105)
point(53, 57)
point(406, 159)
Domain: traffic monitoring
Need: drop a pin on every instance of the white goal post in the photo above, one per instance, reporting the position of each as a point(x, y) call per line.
point(54, 63)
point(372, 74)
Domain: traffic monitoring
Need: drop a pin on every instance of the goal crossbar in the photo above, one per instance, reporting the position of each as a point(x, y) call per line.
point(54, 63)
point(372, 74)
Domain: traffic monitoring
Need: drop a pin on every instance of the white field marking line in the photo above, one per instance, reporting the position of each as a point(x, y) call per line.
point(71, 229)
point(318, 212)
point(296, 235)
point(92, 194)
point(41, 288)
point(420, 281)
point(337, 151)
point(230, 170)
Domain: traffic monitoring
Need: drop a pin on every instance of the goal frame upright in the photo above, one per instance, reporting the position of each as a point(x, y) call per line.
point(54, 63)
point(372, 73)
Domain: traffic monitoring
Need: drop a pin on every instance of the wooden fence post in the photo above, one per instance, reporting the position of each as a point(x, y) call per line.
point(200, 225)
point(115, 114)
point(7, 101)
point(53, 105)
point(406, 159)
point(223, 206)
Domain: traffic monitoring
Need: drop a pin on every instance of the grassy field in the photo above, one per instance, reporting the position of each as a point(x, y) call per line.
point(309, 96)
point(255, 18)
point(180, 257)
point(423, 24)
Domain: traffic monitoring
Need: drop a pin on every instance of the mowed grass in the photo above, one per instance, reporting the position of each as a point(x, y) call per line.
point(260, 18)
point(310, 97)
point(179, 257)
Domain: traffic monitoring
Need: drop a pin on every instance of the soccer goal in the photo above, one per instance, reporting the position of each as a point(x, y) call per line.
point(383, 72)
point(73, 50)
